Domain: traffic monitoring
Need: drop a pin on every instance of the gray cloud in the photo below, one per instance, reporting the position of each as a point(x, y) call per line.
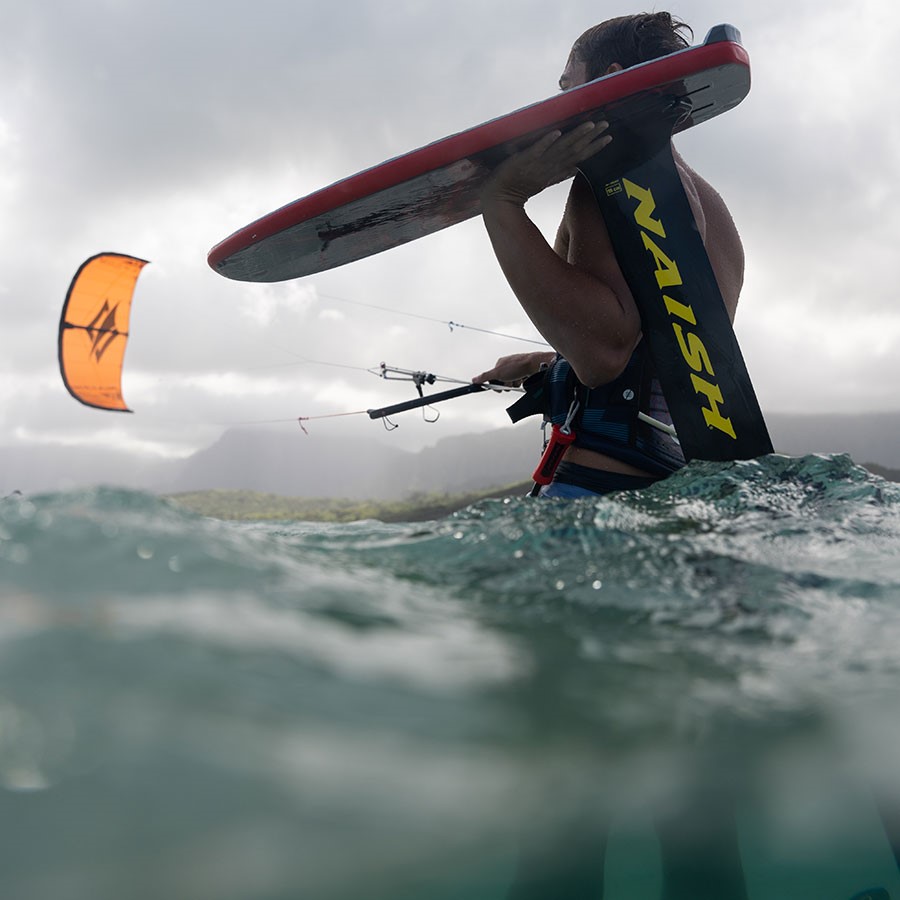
point(158, 129)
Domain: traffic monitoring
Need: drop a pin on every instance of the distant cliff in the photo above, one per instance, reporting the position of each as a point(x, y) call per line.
point(296, 465)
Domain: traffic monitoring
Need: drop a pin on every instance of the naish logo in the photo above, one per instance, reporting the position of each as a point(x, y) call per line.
point(102, 330)
point(667, 277)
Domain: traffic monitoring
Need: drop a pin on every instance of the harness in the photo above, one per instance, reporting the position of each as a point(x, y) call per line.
point(611, 419)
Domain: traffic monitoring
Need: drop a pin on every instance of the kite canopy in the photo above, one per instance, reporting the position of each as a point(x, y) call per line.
point(93, 329)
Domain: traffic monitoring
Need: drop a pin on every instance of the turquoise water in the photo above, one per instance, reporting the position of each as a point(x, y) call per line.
point(703, 679)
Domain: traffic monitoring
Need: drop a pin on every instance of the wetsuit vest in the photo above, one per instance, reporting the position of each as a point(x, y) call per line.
point(607, 417)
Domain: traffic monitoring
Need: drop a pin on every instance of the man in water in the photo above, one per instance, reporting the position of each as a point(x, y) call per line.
point(577, 296)
point(575, 292)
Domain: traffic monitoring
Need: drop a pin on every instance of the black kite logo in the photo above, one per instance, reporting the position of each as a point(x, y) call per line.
point(105, 333)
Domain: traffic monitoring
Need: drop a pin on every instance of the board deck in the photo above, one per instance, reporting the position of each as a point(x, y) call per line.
point(439, 185)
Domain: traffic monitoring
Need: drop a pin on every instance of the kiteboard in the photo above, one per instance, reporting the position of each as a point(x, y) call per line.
point(638, 190)
point(439, 185)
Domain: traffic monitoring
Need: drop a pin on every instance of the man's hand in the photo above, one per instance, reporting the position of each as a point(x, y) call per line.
point(553, 158)
point(513, 370)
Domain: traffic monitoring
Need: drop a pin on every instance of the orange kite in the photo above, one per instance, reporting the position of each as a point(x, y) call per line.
point(93, 329)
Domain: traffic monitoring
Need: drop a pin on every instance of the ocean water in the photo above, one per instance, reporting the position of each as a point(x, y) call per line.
point(690, 692)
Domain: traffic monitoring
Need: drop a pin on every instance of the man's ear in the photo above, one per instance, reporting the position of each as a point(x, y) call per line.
point(615, 67)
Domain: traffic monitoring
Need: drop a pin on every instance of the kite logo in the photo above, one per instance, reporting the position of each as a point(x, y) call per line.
point(668, 277)
point(104, 333)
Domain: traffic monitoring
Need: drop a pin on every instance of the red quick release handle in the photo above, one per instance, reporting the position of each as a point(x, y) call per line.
point(553, 453)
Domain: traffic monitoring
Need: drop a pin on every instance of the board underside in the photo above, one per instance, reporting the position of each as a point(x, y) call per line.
point(439, 185)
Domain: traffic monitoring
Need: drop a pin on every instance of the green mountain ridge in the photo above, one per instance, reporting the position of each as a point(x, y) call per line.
point(250, 506)
point(253, 506)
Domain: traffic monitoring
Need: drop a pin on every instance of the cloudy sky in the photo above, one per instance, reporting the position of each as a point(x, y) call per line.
point(156, 129)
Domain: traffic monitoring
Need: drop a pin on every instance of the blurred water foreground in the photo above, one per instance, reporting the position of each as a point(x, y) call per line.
point(691, 691)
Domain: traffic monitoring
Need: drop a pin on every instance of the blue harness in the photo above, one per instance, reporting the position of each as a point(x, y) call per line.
point(606, 419)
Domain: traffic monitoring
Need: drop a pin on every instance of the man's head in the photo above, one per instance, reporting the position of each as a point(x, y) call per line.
point(621, 43)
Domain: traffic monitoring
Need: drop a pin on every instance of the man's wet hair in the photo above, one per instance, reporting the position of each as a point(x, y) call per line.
point(630, 40)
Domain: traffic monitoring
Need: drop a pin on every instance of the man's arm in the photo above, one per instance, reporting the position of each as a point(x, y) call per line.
point(579, 303)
